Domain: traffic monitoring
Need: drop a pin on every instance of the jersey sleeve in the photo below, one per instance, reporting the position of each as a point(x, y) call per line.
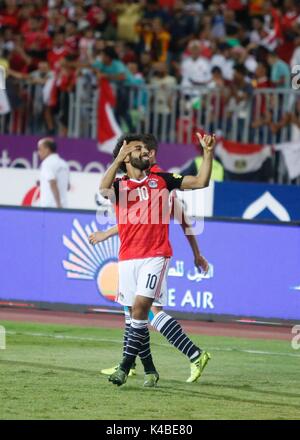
point(173, 181)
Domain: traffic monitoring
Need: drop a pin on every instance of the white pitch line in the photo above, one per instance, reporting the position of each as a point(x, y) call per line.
point(118, 341)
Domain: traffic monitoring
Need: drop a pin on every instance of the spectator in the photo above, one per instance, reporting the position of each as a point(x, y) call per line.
point(145, 66)
point(54, 176)
point(164, 88)
point(239, 103)
point(181, 28)
point(193, 167)
point(280, 71)
point(195, 69)
point(160, 41)
point(295, 60)
point(129, 13)
point(222, 58)
point(232, 27)
point(261, 111)
point(117, 73)
point(102, 23)
point(139, 94)
point(64, 84)
point(241, 56)
point(290, 119)
point(42, 80)
point(58, 51)
point(215, 104)
point(36, 40)
point(258, 23)
point(71, 37)
point(154, 39)
point(86, 44)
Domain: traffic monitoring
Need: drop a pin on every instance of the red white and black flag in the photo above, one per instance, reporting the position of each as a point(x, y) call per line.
point(239, 158)
point(108, 127)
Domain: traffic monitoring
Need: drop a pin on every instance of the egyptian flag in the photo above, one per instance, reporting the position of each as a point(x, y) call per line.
point(245, 161)
point(108, 127)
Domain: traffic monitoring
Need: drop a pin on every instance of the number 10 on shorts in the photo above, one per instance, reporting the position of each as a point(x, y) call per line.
point(151, 281)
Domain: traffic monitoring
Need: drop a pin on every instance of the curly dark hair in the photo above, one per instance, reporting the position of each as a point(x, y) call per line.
point(148, 139)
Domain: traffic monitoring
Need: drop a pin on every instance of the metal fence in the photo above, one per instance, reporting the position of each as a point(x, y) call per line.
point(172, 114)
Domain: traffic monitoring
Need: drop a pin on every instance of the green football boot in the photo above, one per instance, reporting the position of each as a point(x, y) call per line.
point(198, 365)
point(119, 377)
point(151, 380)
point(110, 371)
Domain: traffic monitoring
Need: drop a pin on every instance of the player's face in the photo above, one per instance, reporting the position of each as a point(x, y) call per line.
point(139, 158)
point(43, 151)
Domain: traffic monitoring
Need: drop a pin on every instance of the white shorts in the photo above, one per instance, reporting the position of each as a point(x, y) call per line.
point(145, 277)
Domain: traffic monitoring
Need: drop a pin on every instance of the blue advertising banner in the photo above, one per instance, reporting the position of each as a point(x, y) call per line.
point(254, 268)
point(257, 201)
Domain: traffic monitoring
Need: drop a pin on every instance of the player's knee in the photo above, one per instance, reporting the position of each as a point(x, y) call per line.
point(140, 308)
point(156, 309)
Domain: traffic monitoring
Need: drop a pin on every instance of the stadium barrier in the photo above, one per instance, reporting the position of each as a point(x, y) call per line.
point(220, 199)
point(171, 114)
point(48, 263)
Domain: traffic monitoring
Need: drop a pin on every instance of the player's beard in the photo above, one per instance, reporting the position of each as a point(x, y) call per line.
point(141, 164)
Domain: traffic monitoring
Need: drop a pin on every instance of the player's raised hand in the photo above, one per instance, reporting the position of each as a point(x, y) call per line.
point(201, 264)
point(207, 141)
point(97, 237)
point(125, 150)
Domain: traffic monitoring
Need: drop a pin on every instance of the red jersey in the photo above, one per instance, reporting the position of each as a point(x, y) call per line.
point(143, 215)
point(55, 55)
point(155, 169)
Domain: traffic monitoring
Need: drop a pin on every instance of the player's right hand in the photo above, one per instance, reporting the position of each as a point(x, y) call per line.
point(125, 151)
point(97, 237)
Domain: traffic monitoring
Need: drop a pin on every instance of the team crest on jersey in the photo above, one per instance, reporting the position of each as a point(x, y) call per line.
point(177, 176)
point(152, 183)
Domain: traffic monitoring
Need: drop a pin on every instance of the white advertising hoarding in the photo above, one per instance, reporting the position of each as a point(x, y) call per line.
point(20, 187)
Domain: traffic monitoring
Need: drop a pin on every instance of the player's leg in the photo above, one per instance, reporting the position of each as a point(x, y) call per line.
point(111, 370)
point(151, 273)
point(125, 297)
point(173, 332)
point(138, 343)
point(139, 338)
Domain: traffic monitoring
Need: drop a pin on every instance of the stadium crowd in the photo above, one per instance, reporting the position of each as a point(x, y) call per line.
point(232, 46)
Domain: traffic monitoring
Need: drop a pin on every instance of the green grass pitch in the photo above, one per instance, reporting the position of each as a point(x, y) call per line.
point(52, 372)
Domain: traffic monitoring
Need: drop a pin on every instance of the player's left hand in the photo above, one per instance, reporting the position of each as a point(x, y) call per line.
point(201, 263)
point(97, 237)
point(207, 141)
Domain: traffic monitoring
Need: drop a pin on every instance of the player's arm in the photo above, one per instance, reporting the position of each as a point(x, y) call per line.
point(98, 236)
point(199, 261)
point(110, 174)
point(201, 180)
point(54, 189)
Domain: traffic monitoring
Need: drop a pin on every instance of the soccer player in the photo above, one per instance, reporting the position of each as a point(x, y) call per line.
point(160, 320)
point(142, 209)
